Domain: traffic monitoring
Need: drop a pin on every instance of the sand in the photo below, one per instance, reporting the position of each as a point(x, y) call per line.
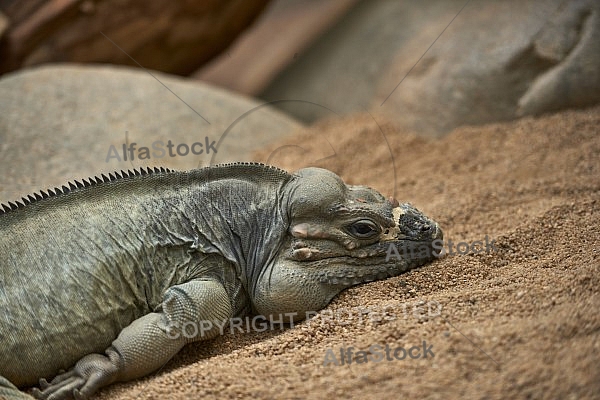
point(520, 321)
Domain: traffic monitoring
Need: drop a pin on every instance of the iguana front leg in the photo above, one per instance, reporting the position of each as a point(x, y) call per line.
point(147, 343)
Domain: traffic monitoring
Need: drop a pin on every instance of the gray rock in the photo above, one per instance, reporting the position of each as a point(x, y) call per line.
point(570, 41)
point(342, 70)
point(58, 123)
point(497, 61)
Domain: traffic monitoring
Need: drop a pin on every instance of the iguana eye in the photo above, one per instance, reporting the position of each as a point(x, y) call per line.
point(363, 229)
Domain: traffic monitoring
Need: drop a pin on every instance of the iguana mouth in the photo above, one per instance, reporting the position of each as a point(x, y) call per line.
point(368, 277)
point(353, 271)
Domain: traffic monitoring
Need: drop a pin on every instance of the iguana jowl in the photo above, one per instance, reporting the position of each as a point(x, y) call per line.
point(95, 277)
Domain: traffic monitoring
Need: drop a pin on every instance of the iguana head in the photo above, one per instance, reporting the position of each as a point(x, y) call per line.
point(339, 236)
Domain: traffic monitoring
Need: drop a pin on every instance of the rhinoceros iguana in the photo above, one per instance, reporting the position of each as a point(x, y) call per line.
point(98, 278)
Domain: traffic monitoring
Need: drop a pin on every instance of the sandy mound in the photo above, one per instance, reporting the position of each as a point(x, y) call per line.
point(521, 321)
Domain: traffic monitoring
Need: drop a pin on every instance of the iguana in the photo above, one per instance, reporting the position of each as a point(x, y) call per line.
point(99, 277)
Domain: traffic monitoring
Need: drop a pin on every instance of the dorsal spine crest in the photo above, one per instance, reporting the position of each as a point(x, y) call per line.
point(76, 185)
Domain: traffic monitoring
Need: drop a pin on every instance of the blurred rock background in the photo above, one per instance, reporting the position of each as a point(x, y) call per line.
point(425, 67)
point(488, 61)
point(495, 61)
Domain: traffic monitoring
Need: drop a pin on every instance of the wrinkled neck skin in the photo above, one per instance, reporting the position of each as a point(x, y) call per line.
point(243, 221)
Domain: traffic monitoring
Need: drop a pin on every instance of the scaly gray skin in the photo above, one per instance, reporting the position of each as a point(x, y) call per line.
point(100, 277)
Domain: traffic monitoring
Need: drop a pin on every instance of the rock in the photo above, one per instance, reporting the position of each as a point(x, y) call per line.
point(3, 24)
point(59, 122)
point(570, 40)
point(494, 61)
point(257, 56)
point(341, 71)
point(171, 36)
point(497, 61)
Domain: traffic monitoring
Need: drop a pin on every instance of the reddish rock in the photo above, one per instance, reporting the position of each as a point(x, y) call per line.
point(171, 36)
point(258, 55)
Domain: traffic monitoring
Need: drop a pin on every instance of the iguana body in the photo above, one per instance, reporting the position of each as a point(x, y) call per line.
point(100, 277)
